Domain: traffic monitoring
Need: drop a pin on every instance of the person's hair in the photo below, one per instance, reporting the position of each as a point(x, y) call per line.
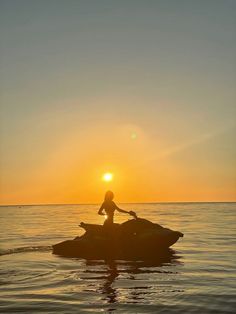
point(109, 196)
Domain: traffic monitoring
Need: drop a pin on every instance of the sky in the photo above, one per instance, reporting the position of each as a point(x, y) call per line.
point(142, 89)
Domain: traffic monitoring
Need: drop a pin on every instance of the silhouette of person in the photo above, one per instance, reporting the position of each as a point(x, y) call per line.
point(109, 206)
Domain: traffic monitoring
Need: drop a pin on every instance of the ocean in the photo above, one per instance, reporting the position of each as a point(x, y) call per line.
point(200, 278)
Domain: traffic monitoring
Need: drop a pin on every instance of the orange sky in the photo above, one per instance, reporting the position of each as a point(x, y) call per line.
point(146, 92)
point(145, 169)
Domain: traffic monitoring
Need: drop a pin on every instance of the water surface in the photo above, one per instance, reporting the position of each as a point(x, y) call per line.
point(198, 278)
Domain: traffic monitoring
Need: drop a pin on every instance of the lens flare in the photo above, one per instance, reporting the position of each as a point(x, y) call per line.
point(133, 136)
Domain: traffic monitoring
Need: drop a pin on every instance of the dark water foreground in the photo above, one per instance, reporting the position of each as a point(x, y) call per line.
point(198, 276)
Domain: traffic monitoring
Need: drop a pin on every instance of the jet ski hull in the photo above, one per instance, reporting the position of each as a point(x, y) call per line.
point(134, 239)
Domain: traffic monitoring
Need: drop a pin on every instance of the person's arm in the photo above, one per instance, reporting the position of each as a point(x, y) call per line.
point(126, 212)
point(100, 212)
point(121, 210)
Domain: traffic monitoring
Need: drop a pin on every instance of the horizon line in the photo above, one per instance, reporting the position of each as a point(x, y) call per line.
point(154, 202)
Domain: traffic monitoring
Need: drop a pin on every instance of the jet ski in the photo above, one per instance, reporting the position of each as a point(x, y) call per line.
point(134, 239)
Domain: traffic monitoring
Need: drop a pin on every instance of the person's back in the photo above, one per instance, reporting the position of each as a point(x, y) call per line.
point(109, 207)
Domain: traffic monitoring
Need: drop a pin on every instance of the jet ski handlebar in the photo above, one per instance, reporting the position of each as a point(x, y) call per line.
point(132, 213)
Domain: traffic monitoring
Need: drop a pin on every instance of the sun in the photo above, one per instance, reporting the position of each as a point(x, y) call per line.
point(107, 177)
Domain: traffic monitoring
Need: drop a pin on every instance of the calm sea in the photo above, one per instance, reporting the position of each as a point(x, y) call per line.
point(199, 279)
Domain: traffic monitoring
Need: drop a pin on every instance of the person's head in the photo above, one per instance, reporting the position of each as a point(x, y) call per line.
point(109, 196)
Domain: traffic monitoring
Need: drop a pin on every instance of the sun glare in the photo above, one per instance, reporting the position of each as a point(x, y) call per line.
point(107, 177)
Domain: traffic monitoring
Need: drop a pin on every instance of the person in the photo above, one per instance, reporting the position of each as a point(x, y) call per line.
point(109, 206)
